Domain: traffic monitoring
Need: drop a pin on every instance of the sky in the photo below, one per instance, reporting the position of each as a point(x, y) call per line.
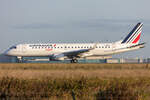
point(57, 21)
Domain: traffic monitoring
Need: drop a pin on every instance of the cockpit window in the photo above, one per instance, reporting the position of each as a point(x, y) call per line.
point(13, 47)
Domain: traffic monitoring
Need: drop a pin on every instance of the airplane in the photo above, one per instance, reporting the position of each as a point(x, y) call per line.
point(74, 51)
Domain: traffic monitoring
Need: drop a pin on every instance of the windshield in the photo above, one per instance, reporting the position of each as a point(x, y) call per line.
point(13, 47)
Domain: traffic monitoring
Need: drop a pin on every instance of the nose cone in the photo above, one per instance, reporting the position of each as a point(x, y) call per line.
point(7, 52)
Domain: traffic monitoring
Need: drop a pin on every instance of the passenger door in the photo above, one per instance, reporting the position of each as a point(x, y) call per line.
point(24, 48)
point(113, 47)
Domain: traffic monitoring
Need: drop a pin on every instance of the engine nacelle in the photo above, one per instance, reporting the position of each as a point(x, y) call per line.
point(57, 57)
point(62, 58)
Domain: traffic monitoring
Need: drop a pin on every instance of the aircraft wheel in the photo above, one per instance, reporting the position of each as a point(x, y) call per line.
point(71, 61)
point(74, 61)
point(20, 59)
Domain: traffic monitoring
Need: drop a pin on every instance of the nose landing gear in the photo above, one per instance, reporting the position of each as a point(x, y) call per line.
point(20, 59)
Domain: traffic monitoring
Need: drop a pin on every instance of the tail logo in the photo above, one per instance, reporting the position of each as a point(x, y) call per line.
point(134, 35)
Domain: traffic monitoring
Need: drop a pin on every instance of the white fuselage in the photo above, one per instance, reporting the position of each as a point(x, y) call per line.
point(101, 49)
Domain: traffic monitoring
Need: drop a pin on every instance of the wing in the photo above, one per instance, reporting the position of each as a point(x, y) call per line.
point(77, 53)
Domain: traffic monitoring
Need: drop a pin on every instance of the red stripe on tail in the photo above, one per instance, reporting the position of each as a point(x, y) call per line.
point(137, 38)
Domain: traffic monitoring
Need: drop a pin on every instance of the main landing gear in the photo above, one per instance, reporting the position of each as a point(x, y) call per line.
point(74, 61)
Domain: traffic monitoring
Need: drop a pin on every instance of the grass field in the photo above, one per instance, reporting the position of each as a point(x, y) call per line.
point(85, 81)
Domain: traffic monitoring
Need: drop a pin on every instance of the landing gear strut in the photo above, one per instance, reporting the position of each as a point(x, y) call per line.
point(20, 59)
point(74, 61)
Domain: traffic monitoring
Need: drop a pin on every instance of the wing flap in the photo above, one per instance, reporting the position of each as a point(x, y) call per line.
point(77, 53)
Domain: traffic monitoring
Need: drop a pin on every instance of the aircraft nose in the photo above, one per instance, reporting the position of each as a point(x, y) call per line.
point(7, 52)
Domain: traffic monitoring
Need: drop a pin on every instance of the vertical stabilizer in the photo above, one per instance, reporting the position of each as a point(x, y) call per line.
point(134, 35)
